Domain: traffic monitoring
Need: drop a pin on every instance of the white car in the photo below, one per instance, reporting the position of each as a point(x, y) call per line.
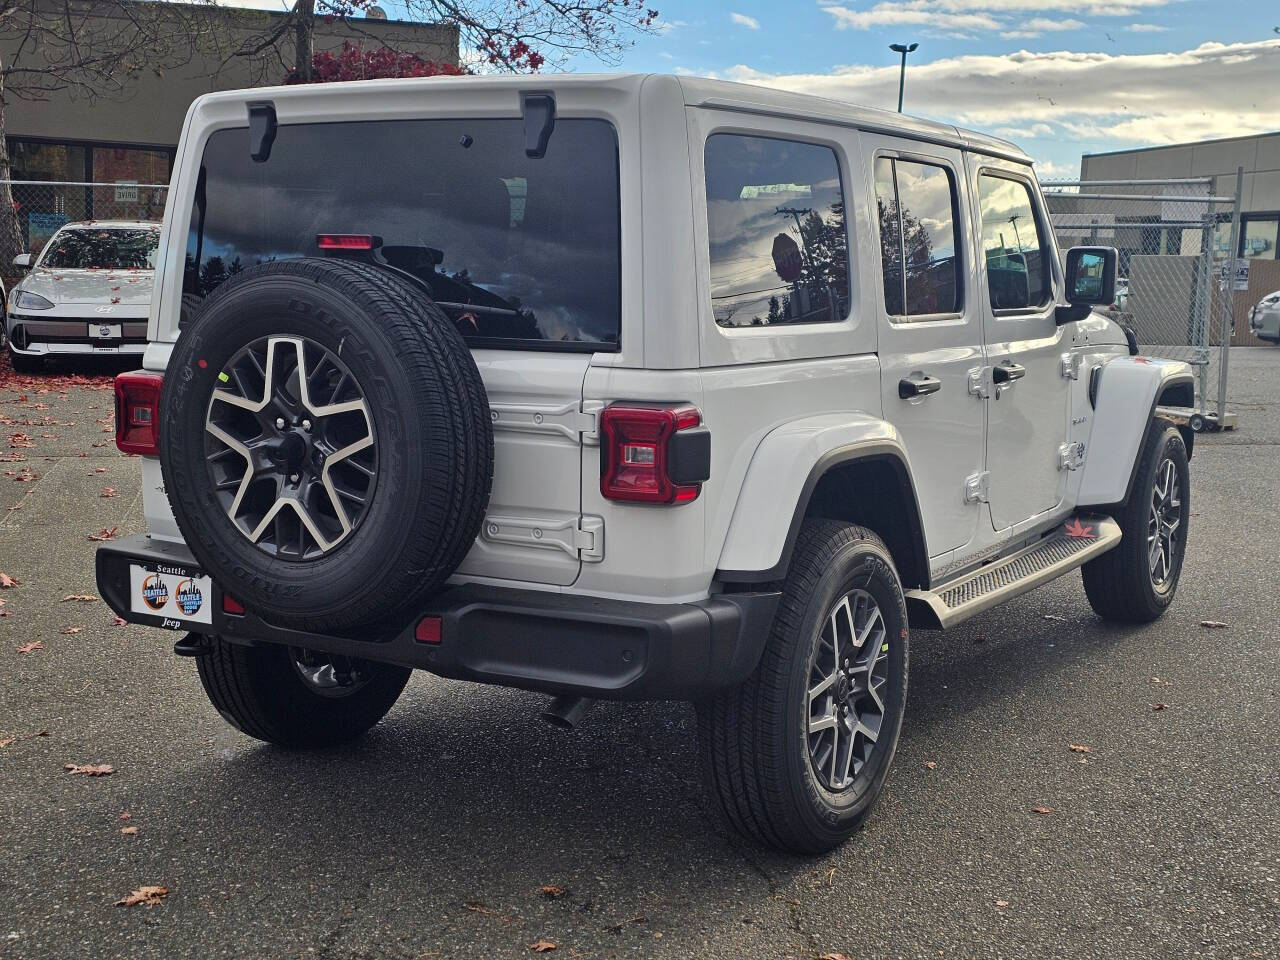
point(1264, 318)
point(636, 387)
point(88, 292)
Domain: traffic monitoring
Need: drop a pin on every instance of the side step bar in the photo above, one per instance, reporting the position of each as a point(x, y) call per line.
point(1071, 545)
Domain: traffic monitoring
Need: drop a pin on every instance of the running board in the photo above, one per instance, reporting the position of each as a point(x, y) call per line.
point(1071, 545)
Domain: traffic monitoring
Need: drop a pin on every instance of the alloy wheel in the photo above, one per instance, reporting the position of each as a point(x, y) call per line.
point(848, 673)
point(290, 447)
point(328, 675)
point(1163, 535)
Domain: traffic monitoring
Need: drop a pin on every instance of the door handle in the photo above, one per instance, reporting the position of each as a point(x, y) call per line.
point(1007, 372)
point(918, 385)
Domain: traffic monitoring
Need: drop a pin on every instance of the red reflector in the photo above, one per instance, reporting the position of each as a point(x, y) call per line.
point(428, 630)
point(344, 241)
point(634, 452)
point(138, 412)
point(231, 605)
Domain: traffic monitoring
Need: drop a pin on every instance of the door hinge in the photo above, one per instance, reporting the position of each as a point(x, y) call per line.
point(1071, 455)
point(1069, 366)
point(577, 422)
point(980, 382)
point(581, 537)
point(976, 487)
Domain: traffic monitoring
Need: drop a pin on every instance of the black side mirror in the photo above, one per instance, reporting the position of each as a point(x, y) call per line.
point(1091, 281)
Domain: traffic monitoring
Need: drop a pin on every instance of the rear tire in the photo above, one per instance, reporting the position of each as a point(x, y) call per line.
point(1126, 584)
point(263, 693)
point(24, 364)
point(771, 753)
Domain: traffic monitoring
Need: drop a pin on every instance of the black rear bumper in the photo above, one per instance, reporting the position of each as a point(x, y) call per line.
point(532, 639)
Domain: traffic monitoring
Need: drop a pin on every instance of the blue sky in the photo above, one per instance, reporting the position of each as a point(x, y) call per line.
point(1061, 77)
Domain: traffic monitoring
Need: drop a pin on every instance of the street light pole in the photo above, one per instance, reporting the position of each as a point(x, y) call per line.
point(903, 49)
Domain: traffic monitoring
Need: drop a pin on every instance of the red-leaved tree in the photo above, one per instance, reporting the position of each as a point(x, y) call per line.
point(358, 62)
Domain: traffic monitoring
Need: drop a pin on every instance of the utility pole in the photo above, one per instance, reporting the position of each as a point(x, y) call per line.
point(903, 49)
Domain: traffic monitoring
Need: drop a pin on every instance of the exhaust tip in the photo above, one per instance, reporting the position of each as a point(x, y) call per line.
point(565, 712)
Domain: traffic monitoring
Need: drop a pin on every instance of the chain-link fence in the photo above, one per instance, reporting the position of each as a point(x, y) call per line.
point(1174, 238)
point(40, 207)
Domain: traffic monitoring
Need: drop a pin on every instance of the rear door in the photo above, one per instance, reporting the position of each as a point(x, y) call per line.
point(930, 332)
point(1027, 416)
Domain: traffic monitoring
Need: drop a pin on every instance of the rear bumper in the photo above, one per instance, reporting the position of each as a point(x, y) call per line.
point(553, 642)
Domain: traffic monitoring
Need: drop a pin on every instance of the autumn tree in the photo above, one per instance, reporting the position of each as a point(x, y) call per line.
point(355, 61)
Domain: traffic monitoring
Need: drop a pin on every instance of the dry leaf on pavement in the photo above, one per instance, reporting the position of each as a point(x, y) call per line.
point(80, 597)
point(30, 647)
point(1212, 624)
point(1079, 748)
point(108, 492)
point(126, 815)
point(1002, 903)
point(542, 946)
point(128, 831)
point(1159, 706)
point(104, 534)
point(551, 890)
point(7, 581)
point(144, 896)
point(90, 770)
point(8, 742)
point(931, 765)
point(834, 956)
point(70, 630)
point(1042, 810)
point(119, 621)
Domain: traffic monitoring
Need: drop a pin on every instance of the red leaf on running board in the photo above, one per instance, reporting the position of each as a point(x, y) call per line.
point(1080, 531)
point(104, 534)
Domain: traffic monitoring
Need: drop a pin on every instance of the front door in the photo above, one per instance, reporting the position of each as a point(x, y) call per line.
point(930, 333)
point(1027, 410)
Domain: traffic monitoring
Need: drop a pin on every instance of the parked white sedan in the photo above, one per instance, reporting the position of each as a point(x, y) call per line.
point(89, 292)
point(1264, 318)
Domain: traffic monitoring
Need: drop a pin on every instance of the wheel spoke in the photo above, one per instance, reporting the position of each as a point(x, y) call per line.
point(825, 722)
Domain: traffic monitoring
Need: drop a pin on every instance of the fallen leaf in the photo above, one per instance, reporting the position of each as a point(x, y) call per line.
point(930, 765)
point(1079, 748)
point(119, 621)
point(30, 647)
point(1042, 810)
point(128, 831)
point(145, 896)
point(108, 492)
point(7, 581)
point(71, 630)
point(1002, 903)
point(1054, 616)
point(475, 906)
point(1159, 706)
point(99, 469)
point(7, 742)
point(833, 956)
point(1080, 531)
point(551, 890)
point(126, 815)
point(542, 946)
point(81, 597)
point(90, 770)
point(1212, 624)
point(104, 534)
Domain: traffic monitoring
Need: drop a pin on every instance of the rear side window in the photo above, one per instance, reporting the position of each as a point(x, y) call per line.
point(919, 237)
point(517, 251)
point(1012, 245)
point(775, 222)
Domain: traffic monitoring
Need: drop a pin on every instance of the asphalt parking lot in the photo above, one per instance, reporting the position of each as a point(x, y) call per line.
point(434, 835)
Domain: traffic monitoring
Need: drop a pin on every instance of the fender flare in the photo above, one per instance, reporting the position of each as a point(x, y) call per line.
point(1124, 397)
point(785, 469)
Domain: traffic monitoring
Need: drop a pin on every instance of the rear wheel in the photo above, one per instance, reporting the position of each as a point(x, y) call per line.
point(796, 755)
point(297, 698)
point(1136, 582)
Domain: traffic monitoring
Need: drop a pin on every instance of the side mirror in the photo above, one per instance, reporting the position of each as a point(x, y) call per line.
point(22, 260)
point(1091, 281)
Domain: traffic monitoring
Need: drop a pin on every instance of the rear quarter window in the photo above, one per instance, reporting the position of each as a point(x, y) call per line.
point(518, 251)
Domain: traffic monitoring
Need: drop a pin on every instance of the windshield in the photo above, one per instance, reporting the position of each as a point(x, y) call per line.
point(104, 249)
point(515, 250)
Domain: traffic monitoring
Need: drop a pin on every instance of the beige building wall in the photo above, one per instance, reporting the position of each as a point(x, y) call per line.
point(152, 108)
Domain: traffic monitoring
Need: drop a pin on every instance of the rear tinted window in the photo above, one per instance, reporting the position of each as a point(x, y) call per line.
point(107, 249)
point(516, 250)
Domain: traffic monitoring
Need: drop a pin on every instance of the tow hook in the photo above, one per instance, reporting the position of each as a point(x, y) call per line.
point(566, 712)
point(192, 645)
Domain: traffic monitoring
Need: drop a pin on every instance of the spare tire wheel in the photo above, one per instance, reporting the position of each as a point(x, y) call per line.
point(325, 443)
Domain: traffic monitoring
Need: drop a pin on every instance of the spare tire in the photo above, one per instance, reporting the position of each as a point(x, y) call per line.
point(325, 442)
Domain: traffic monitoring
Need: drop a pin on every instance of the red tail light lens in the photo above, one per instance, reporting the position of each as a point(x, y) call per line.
point(138, 412)
point(344, 241)
point(232, 606)
point(636, 453)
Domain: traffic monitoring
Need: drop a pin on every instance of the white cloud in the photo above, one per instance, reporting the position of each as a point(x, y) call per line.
point(1048, 170)
point(1214, 90)
point(909, 13)
point(1037, 26)
point(980, 14)
point(742, 20)
point(1146, 28)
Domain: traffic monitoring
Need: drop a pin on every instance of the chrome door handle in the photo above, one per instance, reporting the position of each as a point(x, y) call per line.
point(918, 385)
point(1007, 372)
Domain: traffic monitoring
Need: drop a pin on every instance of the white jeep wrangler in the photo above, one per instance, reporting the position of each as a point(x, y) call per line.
point(629, 387)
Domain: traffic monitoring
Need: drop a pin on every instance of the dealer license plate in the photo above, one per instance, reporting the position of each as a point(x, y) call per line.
point(170, 592)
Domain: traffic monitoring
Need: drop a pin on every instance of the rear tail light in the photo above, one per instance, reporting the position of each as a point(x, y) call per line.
point(138, 412)
point(428, 630)
point(232, 606)
point(653, 454)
